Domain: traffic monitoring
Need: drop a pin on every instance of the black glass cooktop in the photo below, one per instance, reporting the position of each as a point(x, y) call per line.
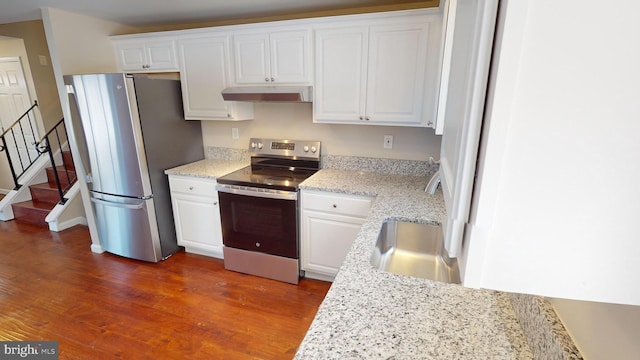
point(277, 178)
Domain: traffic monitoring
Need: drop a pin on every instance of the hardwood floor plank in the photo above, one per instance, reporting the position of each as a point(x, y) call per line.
point(101, 306)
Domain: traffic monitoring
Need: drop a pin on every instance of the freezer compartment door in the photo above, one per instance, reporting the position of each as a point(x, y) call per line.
point(127, 227)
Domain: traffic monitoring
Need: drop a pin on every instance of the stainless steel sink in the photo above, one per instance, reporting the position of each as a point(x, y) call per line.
point(414, 249)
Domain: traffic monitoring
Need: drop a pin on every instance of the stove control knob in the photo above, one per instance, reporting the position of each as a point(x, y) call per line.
point(260, 145)
point(253, 145)
point(306, 148)
point(314, 149)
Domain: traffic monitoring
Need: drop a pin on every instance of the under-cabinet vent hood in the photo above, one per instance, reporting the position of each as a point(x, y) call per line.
point(268, 93)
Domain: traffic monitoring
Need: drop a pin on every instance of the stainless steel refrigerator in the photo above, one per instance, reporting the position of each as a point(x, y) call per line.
point(128, 130)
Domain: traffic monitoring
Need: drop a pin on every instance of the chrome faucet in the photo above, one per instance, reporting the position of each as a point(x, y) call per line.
point(432, 186)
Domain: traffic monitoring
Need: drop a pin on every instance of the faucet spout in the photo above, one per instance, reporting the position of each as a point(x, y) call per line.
point(432, 186)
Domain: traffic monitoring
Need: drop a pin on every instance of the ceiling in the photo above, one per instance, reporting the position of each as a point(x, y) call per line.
point(164, 12)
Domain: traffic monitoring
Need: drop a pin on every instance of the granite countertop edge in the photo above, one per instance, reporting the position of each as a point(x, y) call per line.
point(207, 168)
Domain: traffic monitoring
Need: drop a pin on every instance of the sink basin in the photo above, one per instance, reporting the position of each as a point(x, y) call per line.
point(407, 248)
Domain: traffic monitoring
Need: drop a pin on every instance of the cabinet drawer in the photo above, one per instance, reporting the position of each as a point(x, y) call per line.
point(193, 186)
point(337, 204)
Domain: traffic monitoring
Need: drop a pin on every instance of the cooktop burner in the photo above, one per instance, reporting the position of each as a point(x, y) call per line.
point(277, 164)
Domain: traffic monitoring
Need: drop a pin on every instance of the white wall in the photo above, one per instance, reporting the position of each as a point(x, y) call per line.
point(556, 204)
point(294, 121)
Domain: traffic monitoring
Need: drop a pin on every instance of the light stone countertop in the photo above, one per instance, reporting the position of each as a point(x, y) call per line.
point(207, 168)
point(372, 314)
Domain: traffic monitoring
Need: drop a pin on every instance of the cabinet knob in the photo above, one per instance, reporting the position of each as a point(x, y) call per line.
point(273, 79)
point(335, 206)
point(190, 187)
point(257, 244)
point(215, 203)
point(266, 79)
point(229, 116)
point(367, 118)
point(146, 66)
point(361, 118)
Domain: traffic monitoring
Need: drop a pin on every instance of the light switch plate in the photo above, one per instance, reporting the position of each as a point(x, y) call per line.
point(235, 134)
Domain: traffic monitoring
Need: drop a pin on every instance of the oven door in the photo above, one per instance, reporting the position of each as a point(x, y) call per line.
point(259, 220)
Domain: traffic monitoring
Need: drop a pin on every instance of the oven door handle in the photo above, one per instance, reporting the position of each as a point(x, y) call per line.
point(258, 192)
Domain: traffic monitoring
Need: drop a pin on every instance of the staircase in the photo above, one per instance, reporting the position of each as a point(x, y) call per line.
point(45, 196)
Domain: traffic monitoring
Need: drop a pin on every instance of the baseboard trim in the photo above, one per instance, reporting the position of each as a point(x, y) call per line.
point(56, 226)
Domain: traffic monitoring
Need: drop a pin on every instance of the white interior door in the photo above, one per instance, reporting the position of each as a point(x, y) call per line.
point(470, 45)
point(14, 101)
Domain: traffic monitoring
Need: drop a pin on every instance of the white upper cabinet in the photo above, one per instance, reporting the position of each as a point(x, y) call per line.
point(279, 57)
point(341, 74)
point(204, 73)
point(146, 54)
point(382, 74)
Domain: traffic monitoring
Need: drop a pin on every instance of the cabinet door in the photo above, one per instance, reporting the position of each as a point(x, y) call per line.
point(143, 55)
point(341, 67)
point(204, 73)
point(197, 220)
point(396, 73)
point(161, 55)
point(326, 240)
point(290, 57)
point(131, 56)
point(251, 59)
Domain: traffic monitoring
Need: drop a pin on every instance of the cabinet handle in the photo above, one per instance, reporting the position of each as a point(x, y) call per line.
point(146, 66)
point(335, 206)
point(229, 116)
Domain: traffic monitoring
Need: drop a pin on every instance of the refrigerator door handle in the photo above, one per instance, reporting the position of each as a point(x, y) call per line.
point(117, 204)
point(78, 134)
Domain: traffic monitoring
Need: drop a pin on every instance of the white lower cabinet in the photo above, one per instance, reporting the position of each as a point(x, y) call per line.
point(330, 223)
point(197, 215)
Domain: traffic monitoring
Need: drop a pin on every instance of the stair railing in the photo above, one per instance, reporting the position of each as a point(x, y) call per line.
point(59, 135)
point(16, 136)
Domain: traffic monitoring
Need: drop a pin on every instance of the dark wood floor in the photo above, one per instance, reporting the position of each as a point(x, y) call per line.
point(101, 306)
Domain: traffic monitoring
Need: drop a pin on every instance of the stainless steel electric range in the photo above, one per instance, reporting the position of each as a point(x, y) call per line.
point(259, 208)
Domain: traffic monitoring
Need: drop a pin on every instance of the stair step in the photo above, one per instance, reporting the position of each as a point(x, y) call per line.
point(68, 160)
point(66, 176)
point(32, 211)
point(44, 192)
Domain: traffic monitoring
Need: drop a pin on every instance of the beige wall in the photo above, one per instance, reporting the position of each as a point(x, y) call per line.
point(44, 85)
point(601, 331)
point(294, 121)
point(81, 42)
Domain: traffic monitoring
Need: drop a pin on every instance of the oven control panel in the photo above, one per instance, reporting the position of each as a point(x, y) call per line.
point(287, 148)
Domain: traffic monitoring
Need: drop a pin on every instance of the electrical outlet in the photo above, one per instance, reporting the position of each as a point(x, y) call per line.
point(235, 134)
point(388, 142)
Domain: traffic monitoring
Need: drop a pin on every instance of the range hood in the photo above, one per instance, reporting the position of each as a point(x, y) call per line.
point(268, 93)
